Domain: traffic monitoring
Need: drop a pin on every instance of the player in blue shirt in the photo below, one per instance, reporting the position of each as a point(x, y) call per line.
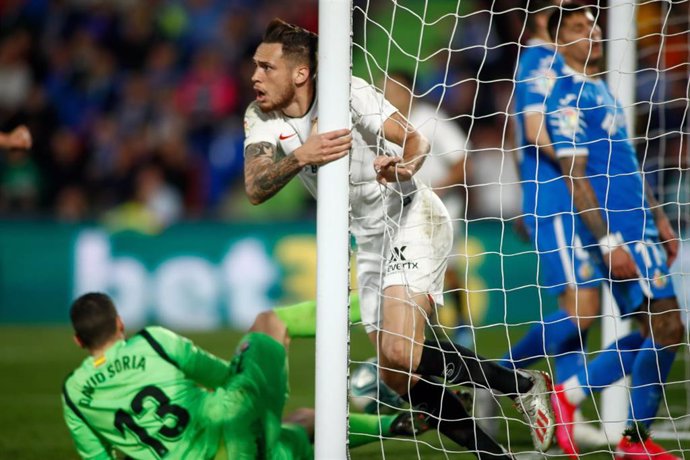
point(624, 229)
point(565, 268)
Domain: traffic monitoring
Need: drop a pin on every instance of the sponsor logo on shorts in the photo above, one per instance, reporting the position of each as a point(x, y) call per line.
point(398, 254)
point(397, 261)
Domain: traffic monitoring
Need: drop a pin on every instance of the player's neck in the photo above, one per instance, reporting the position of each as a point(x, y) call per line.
point(101, 350)
point(301, 103)
point(585, 68)
point(543, 37)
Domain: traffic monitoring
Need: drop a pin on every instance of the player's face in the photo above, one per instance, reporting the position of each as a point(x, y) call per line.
point(580, 39)
point(272, 79)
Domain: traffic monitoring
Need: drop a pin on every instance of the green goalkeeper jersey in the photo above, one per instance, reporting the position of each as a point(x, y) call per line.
point(148, 397)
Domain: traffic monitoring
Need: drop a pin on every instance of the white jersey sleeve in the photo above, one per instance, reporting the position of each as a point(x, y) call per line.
point(369, 108)
point(260, 126)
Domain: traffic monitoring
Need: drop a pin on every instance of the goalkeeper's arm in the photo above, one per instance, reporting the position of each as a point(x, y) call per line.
point(196, 363)
point(88, 444)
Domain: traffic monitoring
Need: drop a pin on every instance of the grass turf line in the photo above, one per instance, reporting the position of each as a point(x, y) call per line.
point(35, 360)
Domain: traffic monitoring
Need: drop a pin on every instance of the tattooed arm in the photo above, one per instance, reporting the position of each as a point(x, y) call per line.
point(584, 198)
point(667, 235)
point(619, 260)
point(264, 173)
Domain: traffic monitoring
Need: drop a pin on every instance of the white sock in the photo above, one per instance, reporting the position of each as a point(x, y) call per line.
point(574, 391)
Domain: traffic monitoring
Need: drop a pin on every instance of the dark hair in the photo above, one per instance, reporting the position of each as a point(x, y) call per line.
point(535, 8)
point(565, 11)
point(298, 43)
point(94, 319)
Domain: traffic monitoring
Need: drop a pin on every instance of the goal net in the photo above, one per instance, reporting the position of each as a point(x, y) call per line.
point(450, 66)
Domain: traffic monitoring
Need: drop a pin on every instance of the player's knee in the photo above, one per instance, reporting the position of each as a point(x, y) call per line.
point(582, 305)
point(395, 380)
point(668, 329)
point(397, 352)
point(666, 325)
point(585, 322)
point(304, 417)
point(262, 322)
point(269, 323)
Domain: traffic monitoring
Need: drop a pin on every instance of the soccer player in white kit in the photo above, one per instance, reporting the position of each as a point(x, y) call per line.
point(444, 172)
point(403, 233)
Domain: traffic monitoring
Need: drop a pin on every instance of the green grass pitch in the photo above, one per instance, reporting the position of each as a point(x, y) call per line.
point(35, 360)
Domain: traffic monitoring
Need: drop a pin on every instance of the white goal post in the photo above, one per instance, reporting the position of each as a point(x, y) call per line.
point(620, 60)
point(332, 235)
point(384, 47)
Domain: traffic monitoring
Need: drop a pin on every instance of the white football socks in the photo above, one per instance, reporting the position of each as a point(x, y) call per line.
point(574, 391)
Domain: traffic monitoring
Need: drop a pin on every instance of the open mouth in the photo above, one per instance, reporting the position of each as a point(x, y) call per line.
point(260, 95)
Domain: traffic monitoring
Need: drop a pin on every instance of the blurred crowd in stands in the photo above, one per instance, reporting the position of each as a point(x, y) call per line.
point(136, 106)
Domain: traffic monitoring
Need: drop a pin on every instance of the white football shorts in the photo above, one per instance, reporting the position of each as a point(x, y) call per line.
point(412, 252)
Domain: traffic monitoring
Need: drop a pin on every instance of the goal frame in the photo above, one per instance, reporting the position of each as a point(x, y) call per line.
point(332, 235)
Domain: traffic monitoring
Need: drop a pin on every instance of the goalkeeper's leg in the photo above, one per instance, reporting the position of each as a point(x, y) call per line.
point(368, 428)
point(365, 428)
point(300, 318)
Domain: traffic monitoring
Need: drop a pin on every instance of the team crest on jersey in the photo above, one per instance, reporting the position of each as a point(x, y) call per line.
point(660, 281)
point(247, 126)
point(613, 121)
point(567, 99)
point(568, 121)
point(586, 271)
point(543, 80)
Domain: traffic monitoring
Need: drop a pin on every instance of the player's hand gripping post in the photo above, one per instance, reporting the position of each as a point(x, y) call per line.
point(322, 148)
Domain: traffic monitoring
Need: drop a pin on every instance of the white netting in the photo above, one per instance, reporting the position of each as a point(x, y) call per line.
point(450, 67)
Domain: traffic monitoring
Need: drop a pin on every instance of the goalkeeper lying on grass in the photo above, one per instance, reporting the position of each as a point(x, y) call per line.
point(157, 395)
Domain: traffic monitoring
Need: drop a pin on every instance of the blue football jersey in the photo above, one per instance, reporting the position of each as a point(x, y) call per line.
point(543, 189)
point(584, 118)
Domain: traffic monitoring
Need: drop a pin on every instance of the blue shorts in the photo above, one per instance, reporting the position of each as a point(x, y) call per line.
point(562, 261)
point(653, 280)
